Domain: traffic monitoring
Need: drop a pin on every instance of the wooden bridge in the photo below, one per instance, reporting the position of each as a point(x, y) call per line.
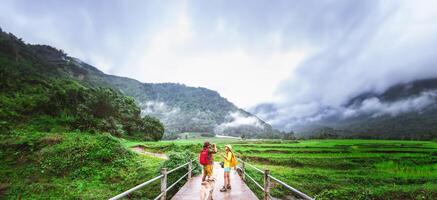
point(191, 189)
point(239, 191)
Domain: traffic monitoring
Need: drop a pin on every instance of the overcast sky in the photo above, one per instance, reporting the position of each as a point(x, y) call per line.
point(291, 53)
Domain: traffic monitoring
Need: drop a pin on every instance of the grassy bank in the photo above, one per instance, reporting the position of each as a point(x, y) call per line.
point(37, 165)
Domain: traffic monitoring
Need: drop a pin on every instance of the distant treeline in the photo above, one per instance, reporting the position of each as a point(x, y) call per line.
point(381, 133)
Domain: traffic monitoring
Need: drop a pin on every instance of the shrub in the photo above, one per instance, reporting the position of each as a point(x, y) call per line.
point(79, 151)
point(177, 158)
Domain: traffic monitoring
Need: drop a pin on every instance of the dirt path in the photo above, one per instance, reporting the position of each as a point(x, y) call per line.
point(140, 150)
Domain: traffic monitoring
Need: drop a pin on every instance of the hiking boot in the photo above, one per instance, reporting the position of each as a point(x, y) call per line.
point(223, 189)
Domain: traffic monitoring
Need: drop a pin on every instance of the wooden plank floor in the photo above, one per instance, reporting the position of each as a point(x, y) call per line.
point(240, 191)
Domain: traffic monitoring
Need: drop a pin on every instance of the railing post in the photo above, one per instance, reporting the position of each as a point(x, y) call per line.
point(266, 184)
point(243, 170)
point(164, 183)
point(190, 165)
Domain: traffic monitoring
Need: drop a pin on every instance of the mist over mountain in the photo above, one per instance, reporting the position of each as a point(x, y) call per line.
point(187, 109)
point(403, 111)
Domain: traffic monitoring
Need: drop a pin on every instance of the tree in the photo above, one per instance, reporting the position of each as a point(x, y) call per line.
point(152, 128)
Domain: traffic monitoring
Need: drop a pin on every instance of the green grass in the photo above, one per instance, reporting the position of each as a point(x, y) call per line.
point(72, 165)
point(335, 169)
point(351, 169)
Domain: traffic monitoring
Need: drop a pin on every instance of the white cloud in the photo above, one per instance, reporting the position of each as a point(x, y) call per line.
point(176, 53)
point(236, 119)
point(159, 109)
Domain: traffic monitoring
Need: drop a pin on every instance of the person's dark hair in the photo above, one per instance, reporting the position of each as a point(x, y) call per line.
point(206, 144)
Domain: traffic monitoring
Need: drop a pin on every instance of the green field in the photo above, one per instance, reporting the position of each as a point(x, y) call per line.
point(335, 169)
point(93, 166)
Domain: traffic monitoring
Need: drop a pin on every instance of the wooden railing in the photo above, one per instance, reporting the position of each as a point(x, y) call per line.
point(265, 188)
point(163, 177)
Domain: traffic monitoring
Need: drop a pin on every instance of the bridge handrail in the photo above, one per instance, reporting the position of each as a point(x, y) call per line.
point(250, 165)
point(163, 177)
point(267, 177)
point(180, 166)
point(123, 194)
point(254, 181)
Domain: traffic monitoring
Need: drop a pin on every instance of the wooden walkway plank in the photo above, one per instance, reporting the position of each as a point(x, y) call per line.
point(239, 191)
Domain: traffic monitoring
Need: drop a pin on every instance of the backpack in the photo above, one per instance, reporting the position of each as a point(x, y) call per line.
point(234, 161)
point(204, 157)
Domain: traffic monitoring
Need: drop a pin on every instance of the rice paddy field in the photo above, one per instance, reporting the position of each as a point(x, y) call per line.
point(333, 169)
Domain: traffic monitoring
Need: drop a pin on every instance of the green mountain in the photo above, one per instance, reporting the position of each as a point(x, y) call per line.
point(180, 108)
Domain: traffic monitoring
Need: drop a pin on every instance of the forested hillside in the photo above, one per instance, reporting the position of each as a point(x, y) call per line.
point(38, 94)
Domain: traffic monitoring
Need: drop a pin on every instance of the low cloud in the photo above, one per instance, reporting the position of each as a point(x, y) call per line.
point(303, 114)
point(237, 119)
point(375, 107)
point(156, 108)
